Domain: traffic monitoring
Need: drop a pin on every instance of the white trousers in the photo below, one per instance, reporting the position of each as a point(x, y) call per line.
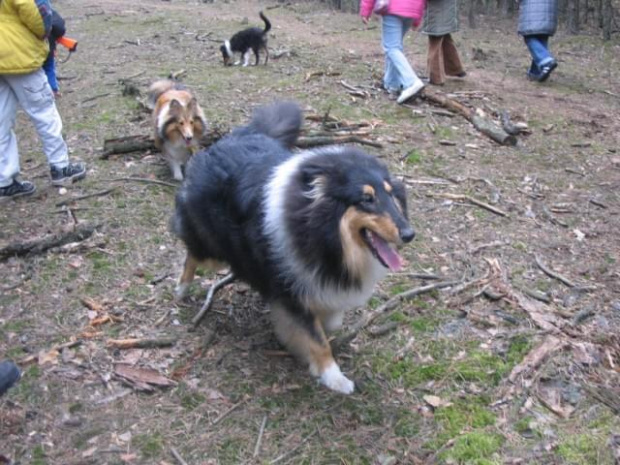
point(35, 96)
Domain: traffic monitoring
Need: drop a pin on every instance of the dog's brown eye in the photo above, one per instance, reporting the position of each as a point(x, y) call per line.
point(368, 198)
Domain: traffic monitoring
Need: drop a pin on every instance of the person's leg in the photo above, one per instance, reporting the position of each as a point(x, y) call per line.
point(452, 61)
point(402, 73)
point(391, 81)
point(9, 156)
point(542, 61)
point(436, 74)
point(36, 98)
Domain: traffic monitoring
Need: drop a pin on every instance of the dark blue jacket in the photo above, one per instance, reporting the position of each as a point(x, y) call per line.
point(538, 17)
point(58, 30)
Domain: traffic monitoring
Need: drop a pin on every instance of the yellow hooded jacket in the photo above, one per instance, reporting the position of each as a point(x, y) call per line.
point(24, 25)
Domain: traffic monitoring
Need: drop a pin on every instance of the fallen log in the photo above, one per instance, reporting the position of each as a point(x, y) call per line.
point(37, 246)
point(486, 127)
point(142, 143)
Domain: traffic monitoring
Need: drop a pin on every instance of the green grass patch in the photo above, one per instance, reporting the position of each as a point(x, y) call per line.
point(476, 448)
point(414, 157)
point(150, 445)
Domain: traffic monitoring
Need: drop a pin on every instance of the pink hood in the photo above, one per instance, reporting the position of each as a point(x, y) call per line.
point(413, 9)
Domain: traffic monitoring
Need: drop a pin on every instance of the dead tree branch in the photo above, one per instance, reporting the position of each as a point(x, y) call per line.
point(37, 246)
point(486, 127)
point(372, 315)
point(229, 278)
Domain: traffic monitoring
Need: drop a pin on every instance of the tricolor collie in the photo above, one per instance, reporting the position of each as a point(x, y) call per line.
point(251, 39)
point(178, 121)
point(312, 232)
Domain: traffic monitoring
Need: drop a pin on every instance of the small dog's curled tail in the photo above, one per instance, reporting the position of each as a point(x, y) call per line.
point(267, 23)
point(281, 121)
point(158, 88)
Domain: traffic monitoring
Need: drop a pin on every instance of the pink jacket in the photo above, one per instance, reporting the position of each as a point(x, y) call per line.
point(413, 9)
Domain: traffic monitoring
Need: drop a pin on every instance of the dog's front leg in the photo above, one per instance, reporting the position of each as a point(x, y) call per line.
point(302, 334)
point(246, 58)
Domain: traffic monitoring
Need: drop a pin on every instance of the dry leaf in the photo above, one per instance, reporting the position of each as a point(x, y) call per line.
point(50, 356)
point(433, 401)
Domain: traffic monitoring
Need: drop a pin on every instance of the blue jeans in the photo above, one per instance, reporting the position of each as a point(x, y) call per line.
point(398, 72)
point(539, 49)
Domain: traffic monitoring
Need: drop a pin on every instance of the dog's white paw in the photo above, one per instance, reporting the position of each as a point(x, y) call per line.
point(333, 378)
point(180, 292)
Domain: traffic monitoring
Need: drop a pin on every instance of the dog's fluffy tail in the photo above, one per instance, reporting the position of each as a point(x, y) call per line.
point(281, 121)
point(158, 88)
point(267, 23)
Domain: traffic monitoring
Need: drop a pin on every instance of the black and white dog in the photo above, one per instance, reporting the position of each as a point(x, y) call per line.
point(251, 39)
point(312, 232)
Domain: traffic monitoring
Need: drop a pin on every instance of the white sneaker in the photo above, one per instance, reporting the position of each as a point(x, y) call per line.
point(410, 91)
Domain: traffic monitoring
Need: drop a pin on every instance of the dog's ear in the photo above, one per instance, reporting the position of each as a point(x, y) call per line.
point(310, 173)
point(193, 104)
point(175, 106)
point(314, 182)
point(399, 193)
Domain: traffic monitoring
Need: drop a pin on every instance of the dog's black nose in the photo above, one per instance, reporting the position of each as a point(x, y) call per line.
point(407, 234)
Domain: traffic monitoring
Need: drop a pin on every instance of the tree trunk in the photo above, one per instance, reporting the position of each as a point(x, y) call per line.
point(471, 14)
point(573, 16)
point(608, 14)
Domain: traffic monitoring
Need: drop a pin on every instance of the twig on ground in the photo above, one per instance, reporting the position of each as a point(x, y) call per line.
point(549, 272)
point(227, 412)
point(369, 317)
point(144, 180)
point(260, 437)
point(477, 249)
point(141, 343)
point(87, 196)
point(90, 99)
point(294, 449)
point(307, 142)
point(377, 331)
point(467, 198)
point(428, 276)
point(229, 278)
point(177, 456)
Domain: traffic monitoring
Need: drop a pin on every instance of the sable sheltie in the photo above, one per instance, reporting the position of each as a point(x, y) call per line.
point(178, 121)
point(242, 42)
point(312, 232)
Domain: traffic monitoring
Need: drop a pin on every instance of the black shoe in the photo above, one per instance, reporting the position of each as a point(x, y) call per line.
point(545, 70)
point(9, 374)
point(17, 189)
point(67, 175)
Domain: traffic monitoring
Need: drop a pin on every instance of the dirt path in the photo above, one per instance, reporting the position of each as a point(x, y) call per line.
point(480, 373)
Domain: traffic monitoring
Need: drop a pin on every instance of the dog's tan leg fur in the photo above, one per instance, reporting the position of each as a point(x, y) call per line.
point(313, 349)
point(189, 271)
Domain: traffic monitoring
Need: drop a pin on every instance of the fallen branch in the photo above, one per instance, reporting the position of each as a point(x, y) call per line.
point(177, 456)
point(467, 198)
point(372, 315)
point(87, 196)
point(37, 246)
point(535, 358)
point(486, 127)
point(549, 272)
point(307, 142)
point(144, 180)
point(229, 278)
point(141, 343)
point(260, 437)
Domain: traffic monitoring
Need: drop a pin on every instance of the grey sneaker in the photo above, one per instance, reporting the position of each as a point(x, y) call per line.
point(67, 175)
point(17, 189)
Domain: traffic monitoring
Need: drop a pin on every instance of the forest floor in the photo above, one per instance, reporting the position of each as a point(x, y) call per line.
point(482, 372)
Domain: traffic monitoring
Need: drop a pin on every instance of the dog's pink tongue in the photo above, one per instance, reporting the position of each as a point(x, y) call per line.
point(389, 256)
